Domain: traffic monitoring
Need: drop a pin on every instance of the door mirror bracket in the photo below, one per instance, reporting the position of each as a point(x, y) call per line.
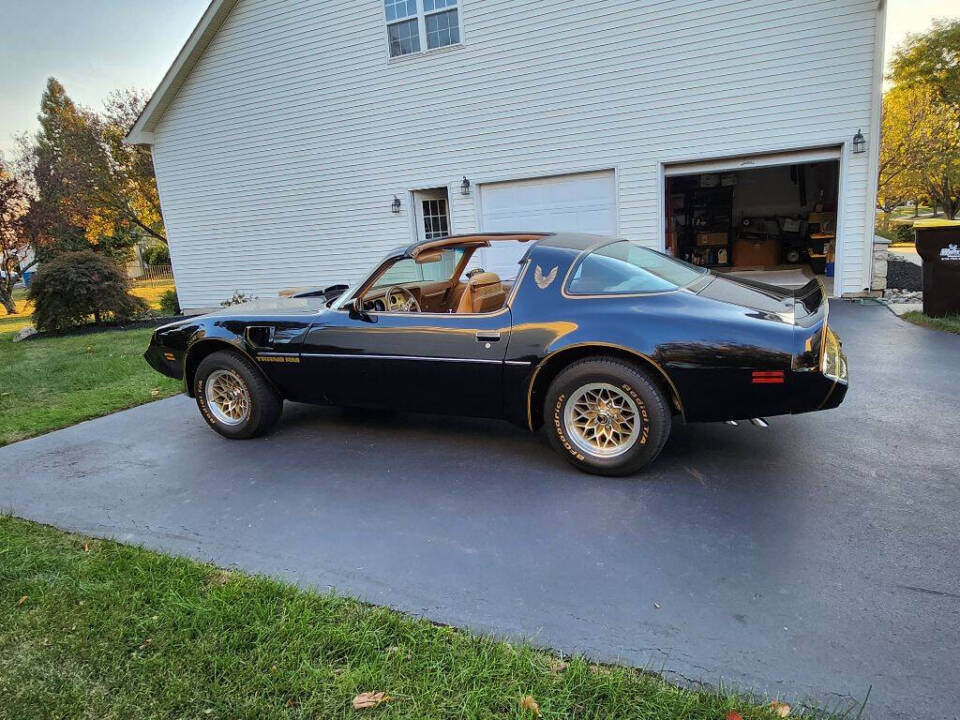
point(358, 312)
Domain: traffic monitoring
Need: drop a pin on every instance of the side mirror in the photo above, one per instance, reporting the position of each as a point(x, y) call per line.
point(357, 310)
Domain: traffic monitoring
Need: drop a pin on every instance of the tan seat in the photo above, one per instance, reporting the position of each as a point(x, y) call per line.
point(484, 294)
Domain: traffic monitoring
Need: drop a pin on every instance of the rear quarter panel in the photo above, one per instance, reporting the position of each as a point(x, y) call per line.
point(709, 349)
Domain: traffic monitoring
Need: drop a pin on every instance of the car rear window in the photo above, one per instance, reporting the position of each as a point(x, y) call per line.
point(626, 267)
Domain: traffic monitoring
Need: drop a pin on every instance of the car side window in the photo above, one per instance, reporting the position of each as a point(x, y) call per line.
point(626, 267)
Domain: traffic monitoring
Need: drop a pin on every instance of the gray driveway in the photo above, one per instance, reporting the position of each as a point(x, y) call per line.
point(811, 560)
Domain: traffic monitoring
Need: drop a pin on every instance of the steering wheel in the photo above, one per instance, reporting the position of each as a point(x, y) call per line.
point(403, 301)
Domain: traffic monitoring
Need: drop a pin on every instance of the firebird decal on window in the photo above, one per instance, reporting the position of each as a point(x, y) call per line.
point(543, 281)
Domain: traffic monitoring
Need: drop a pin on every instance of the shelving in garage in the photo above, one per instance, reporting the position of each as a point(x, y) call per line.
point(773, 215)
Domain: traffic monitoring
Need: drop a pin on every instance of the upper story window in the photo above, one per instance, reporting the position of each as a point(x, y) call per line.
point(414, 25)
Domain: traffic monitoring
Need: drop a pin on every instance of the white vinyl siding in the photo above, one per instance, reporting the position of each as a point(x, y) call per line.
point(279, 158)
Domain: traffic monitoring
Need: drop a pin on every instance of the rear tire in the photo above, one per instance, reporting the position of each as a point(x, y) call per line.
point(606, 416)
point(234, 397)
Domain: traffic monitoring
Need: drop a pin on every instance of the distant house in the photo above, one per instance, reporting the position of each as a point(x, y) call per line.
point(735, 133)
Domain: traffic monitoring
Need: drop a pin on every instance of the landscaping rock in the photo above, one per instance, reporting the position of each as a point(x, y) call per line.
point(902, 296)
point(903, 274)
point(28, 331)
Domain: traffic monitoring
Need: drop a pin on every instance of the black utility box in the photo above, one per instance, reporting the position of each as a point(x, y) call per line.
point(938, 245)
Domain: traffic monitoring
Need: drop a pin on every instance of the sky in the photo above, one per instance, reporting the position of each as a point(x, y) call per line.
point(81, 43)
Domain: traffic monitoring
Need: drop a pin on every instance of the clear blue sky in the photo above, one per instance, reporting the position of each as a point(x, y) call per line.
point(95, 46)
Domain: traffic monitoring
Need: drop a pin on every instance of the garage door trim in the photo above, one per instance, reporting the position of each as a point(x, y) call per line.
point(750, 162)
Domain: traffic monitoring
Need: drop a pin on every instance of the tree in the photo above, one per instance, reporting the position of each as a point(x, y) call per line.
point(92, 190)
point(940, 174)
point(55, 218)
point(14, 200)
point(920, 139)
point(125, 187)
point(931, 59)
point(905, 145)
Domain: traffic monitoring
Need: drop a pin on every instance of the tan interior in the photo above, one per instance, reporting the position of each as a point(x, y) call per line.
point(484, 293)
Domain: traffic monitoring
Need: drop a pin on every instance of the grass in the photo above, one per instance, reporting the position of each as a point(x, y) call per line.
point(151, 292)
point(949, 323)
point(50, 383)
point(54, 382)
point(20, 319)
point(94, 629)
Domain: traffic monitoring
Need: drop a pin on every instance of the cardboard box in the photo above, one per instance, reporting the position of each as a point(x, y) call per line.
point(715, 238)
point(749, 252)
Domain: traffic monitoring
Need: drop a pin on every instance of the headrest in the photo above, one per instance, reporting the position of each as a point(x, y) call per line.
point(484, 279)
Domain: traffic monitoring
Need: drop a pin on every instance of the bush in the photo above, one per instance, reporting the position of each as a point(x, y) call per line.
point(157, 255)
point(76, 286)
point(897, 233)
point(904, 234)
point(885, 233)
point(239, 298)
point(169, 303)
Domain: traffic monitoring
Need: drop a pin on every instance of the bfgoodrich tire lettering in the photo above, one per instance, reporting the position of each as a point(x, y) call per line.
point(606, 416)
point(260, 404)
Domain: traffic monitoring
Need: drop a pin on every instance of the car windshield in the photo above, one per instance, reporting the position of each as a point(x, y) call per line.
point(407, 270)
point(624, 266)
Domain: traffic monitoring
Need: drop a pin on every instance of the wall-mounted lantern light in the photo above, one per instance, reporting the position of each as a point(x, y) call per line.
point(465, 186)
point(395, 205)
point(859, 143)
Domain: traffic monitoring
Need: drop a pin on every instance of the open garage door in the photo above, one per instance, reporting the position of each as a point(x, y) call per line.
point(772, 217)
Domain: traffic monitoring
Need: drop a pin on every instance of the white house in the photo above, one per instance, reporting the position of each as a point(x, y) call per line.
point(738, 133)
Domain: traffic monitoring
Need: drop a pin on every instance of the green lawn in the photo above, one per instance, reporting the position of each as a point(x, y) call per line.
point(54, 382)
point(93, 629)
point(950, 323)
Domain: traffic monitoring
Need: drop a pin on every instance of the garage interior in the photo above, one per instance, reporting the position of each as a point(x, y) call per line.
point(774, 224)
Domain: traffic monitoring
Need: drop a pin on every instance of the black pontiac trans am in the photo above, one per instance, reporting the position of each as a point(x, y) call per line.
point(603, 342)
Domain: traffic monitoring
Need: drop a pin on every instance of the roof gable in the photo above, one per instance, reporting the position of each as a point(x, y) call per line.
point(213, 18)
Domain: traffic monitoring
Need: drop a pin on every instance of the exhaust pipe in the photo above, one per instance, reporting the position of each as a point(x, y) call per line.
point(759, 422)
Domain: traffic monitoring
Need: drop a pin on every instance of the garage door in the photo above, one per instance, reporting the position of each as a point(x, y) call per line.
point(586, 202)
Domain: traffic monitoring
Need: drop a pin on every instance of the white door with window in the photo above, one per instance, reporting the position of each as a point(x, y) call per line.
point(432, 214)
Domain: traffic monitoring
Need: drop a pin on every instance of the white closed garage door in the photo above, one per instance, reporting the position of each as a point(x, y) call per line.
point(585, 202)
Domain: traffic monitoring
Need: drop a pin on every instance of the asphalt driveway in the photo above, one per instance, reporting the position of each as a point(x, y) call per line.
point(811, 560)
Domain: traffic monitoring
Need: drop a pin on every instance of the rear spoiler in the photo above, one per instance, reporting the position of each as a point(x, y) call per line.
point(810, 303)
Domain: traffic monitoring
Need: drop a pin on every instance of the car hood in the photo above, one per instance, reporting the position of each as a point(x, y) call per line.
point(274, 306)
point(792, 305)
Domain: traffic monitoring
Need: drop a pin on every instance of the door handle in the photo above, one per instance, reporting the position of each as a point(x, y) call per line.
point(487, 335)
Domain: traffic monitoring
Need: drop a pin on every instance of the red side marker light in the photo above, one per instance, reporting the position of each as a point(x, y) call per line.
point(768, 377)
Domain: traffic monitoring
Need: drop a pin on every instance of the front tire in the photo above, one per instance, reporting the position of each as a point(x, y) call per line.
point(606, 416)
point(234, 397)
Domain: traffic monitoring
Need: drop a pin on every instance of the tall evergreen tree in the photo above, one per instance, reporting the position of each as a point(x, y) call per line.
point(92, 190)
